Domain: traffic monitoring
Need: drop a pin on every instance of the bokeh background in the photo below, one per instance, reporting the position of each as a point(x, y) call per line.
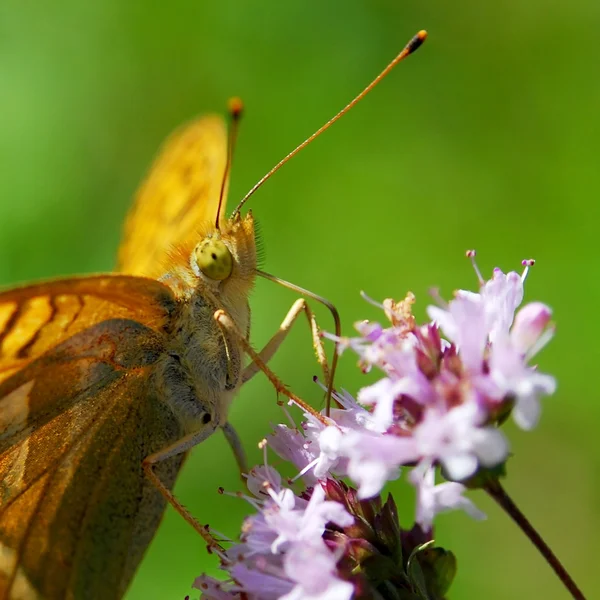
point(486, 138)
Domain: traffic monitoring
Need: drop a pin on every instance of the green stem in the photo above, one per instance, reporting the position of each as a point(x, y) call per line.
point(496, 491)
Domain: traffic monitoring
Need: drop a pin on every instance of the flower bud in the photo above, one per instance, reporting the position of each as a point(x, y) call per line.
point(530, 322)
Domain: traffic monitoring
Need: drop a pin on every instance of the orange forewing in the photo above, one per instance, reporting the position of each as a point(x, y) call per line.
point(180, 194)
point(37, 317)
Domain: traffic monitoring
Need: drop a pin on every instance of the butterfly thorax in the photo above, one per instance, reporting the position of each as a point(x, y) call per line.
point(201, 369)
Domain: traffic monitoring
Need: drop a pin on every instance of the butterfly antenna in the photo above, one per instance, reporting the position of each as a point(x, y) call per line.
point(414, 43)
point(235, 108)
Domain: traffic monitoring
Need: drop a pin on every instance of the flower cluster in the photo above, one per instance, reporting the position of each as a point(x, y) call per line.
point(441, 398)
point(446, 388)
point(283, 553)
point(327, 544)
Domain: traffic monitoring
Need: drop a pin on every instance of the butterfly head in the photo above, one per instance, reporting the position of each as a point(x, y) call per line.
point(226, 257)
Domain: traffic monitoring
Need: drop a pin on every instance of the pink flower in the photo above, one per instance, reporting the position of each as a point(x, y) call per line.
point(295, 520)
point(312, 567)
point(495, 345)
point(465, 324)
point(459, 441)
point(439, 399)
point(282, 553)
point(291, 445)
point(434, 499)
point(516, 380)
point(374, 459)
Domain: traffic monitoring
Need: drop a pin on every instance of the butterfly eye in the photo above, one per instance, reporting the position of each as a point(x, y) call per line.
point(214, 259)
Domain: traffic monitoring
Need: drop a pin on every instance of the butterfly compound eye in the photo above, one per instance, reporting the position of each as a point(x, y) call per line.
point(214, 259)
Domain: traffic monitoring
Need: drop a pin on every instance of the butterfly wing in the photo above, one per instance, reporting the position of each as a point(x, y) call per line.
point(36, 317)
point(179, 196)
point(76, 420)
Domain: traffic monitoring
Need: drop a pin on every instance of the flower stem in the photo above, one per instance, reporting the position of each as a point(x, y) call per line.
point(496, 491)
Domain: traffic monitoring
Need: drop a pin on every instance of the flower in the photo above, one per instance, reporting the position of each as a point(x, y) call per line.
point(446, 387)
point(312, 567)
point(495, 344)
point(282, 553)
point(434, 499)
point(326, 544)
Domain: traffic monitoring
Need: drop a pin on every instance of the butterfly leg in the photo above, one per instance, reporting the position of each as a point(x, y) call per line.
point(300, 306)
point(227, 324)
point(273, 344)
point(179, 447)
point(236, 446)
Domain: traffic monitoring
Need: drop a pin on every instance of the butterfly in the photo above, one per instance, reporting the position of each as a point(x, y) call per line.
point(106, 381)
point(98, 373)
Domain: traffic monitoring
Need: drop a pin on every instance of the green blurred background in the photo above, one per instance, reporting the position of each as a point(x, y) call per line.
point(486, 138)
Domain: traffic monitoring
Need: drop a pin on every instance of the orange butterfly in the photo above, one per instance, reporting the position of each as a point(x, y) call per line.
point(107, 381)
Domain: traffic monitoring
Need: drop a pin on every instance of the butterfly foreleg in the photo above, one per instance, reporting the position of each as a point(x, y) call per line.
point(300, 306)
point(227, 324)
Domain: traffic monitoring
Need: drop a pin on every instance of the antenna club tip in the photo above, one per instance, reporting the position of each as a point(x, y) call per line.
point(416, 42)
point(235, 107)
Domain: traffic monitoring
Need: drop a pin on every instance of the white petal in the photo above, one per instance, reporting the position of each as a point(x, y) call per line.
point(491, 446)
point(527, 412)
point(460, 466)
